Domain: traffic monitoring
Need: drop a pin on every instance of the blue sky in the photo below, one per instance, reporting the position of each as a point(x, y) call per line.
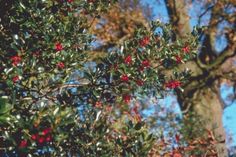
point(229, 117)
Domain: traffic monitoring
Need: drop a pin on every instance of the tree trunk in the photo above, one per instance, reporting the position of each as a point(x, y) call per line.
point(206, 103)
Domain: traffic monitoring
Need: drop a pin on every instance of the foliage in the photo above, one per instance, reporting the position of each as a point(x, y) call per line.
point(52, 104)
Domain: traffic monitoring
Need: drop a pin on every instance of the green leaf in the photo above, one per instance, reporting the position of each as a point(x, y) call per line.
point(4, 110)
point(4, 106)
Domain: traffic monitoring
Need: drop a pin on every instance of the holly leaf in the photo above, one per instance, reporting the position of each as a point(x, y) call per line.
point(5, 107)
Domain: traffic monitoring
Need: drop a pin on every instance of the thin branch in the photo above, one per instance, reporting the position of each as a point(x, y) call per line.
point(204, 13)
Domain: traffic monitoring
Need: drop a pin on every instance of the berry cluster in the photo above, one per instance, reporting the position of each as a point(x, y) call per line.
point(40, 138)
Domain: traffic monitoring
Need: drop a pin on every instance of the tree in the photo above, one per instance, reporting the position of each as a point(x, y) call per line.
point(201, 93)
point(53, 104)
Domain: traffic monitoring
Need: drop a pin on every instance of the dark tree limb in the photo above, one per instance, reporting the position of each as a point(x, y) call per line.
point(179, 18)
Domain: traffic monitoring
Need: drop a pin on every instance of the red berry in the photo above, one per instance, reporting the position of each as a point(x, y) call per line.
point(125, 78)
point(126, 98)
point(23, 144)
point(16, 60)
point(186, 49)
point(128, 60)
point(70, 1)
point(144, 41)
point(34, 136)
point(46, 131)
point(178, 59)
point(41, 140)
point(98, 104)
point(145, 63)
point(173, 84)
point(58, 47)
point(15, 79)
point(49, 138)
point(60, 65)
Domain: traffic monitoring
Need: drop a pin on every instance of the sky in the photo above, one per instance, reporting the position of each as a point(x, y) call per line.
point(229, 116)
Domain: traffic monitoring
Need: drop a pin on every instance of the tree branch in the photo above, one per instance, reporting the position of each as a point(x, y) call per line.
point(179, 18)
